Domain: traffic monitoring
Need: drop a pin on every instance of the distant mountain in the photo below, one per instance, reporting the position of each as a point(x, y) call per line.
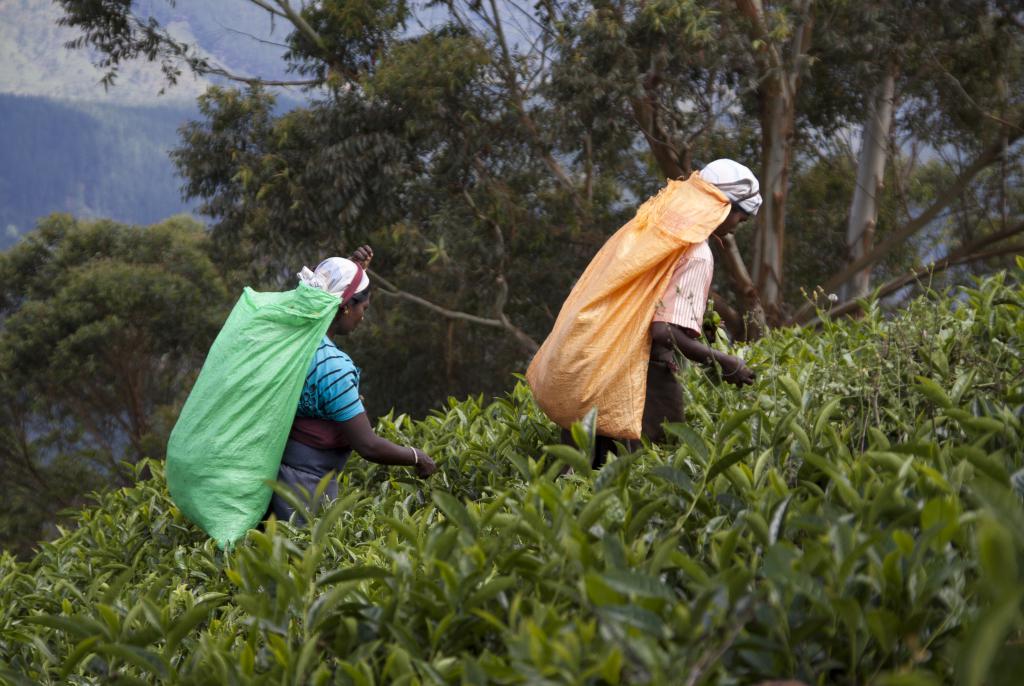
point(68, 145)
point(92, 160)
point(235, 34)
point(34, 61)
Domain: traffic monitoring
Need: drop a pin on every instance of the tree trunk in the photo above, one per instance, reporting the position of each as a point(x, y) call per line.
point(990, 155)
point(860, 231)
point(777, 117)
point(645, 109)
point(780, 81)
point(750, 325)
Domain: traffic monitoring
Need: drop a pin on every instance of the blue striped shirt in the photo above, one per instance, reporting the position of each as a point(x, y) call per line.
point(331, 390)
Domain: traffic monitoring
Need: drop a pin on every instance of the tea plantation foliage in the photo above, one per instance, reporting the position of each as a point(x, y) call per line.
point(854, 518)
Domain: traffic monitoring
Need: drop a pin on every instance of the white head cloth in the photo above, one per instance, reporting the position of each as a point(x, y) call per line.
point(334, 275)
point(737, 182)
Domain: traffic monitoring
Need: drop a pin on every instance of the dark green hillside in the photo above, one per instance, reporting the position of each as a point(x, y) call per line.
point(88, 160)
point(854, 518)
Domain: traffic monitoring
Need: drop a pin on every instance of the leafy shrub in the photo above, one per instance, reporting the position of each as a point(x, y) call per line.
point(856, 517)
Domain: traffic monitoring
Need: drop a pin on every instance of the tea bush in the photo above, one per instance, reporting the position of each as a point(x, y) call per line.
point(856, 517)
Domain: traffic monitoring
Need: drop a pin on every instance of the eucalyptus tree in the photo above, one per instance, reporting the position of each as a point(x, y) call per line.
point(941, 126)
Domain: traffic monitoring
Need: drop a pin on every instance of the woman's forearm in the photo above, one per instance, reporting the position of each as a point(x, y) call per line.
point(669, 336)
point(370, 446)
point(696, 351)
point(383, 451)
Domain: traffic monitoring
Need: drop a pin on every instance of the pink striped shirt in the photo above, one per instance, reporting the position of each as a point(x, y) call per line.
point(684, 301)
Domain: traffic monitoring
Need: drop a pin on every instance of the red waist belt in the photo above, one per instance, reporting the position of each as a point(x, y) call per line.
point(322, 434)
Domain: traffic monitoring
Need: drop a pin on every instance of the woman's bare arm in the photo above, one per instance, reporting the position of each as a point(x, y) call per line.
point(358, 433)
point(669, 336)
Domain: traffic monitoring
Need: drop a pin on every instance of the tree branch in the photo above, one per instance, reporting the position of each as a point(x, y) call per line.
point(799, 46)
point(499, 235)
point(984, 159)
point(645, 112)
point(24, 451)
point(302, 25)
point(255, 81)
point(525, 119)
point(262, 41)
point(754, 11)
point(730, 317)
point(588, 183)
point(390, 289)
point(754, 324)
point(971, 252)
point(962, 92)
point(528, 344)
point(1009, 16)
point(270, 8)
point(499, 304)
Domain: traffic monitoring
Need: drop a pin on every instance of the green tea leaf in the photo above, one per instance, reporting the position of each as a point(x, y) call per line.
point(1017, 481)
point(636, 617)
point(637, 584)
point(932, 391)
point(571, 457)
point(984, 637)
point(984, 463)
point(325, 523)
point(185, 623)
point(915, 678)
point(455, 510)
point(825, 415)
point(600, 592)
point(145, 660)
point(792, 388)
point(998, 557)
point(775, 528)
point(352, 574)
point(690, 438)
point(733, 421)
point(726, 462)
point(82, 648)
point(674, 476)
point(492, 588)
point(81, 627)
point(593, 509)
point(584, 432)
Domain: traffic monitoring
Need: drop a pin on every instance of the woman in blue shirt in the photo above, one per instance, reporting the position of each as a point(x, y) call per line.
point(330, 421)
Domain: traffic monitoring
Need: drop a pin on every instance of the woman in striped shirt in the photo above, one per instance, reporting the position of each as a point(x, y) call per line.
point(330, 421)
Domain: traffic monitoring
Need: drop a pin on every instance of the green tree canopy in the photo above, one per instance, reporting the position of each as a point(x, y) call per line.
point(103, 328)
point(487, 149)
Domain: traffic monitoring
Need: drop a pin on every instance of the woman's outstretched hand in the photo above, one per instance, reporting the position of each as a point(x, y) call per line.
point(362, 256)
point(736, 372)
point(424, 464)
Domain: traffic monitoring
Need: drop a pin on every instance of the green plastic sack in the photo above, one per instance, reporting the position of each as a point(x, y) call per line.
point(229, 438)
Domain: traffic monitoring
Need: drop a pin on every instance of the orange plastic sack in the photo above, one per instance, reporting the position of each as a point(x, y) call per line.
point(597, 353)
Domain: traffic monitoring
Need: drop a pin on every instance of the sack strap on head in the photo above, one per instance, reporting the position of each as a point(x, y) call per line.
point(350, 289)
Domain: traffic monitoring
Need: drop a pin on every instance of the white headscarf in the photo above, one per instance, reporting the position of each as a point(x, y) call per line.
point(334, 275)
point(737, 182)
